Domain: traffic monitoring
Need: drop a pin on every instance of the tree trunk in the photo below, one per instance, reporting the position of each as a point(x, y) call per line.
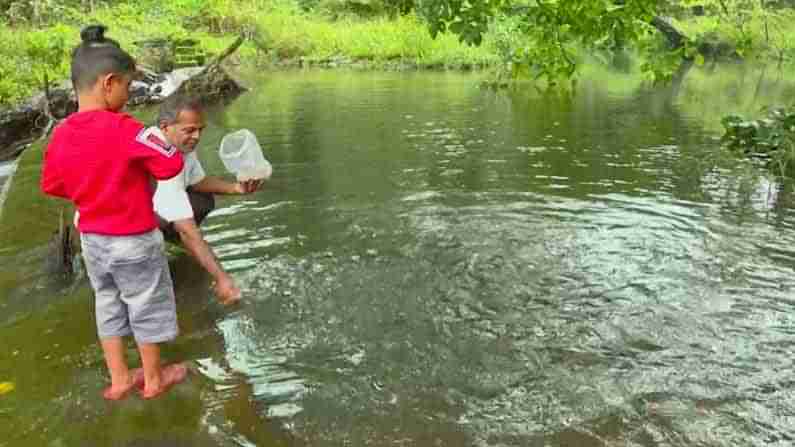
point(675, 37)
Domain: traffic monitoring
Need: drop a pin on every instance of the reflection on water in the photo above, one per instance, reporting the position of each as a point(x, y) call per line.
point(6, 168)
point(434, 264)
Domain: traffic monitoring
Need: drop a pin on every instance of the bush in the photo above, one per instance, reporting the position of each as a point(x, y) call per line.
point(361, 8)
point(26, 58)
point(771, 138)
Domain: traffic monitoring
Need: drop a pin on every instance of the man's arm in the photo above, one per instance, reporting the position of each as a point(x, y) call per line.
point(215, 185)
point(194, 242)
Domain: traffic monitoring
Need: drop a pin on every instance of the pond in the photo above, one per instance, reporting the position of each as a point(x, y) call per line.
point(439, 264)
point(6, 167)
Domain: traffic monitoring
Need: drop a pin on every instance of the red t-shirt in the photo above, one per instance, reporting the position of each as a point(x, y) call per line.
point(103, 162)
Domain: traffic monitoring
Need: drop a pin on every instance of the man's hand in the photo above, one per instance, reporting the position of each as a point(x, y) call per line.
point(247, 186)
point(226, 291)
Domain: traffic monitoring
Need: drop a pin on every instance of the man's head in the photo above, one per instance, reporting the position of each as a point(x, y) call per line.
point(181, 119)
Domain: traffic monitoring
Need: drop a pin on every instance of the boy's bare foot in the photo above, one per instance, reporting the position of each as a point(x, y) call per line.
point(169, 376)
point(119, 393)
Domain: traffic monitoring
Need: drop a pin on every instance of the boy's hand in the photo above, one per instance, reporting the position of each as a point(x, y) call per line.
point(248, 186)
point(226, 291)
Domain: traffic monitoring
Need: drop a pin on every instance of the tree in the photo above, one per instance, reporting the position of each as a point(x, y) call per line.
point(553, 31)
point(554, 28)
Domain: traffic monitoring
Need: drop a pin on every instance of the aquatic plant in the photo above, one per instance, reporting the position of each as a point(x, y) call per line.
point(771, 138)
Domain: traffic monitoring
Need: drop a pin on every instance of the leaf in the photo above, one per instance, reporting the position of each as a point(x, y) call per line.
point(6, 387)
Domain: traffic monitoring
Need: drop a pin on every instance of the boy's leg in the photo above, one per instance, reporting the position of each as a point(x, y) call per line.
point(150, 358)
point(158, 380)
point(146, 288)
point(121, 378)
point(111, 316)
point(113, 348)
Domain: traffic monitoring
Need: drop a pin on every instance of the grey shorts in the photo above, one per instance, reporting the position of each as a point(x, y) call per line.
point(132, 286)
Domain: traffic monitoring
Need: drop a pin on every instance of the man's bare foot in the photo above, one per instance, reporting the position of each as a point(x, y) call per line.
point(169, 376)
point(119, 393)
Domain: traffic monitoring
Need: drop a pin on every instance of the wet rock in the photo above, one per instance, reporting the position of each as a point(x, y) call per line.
point(17, 127)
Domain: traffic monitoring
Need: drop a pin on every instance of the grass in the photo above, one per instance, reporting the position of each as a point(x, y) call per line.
point(284, 33)
point(31, 52)
point(292, 34)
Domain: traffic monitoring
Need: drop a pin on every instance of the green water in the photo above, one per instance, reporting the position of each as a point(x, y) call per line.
point(436, 264)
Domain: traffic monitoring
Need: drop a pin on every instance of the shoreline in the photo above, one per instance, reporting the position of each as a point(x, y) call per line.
point(285, 64)
point(7, 171)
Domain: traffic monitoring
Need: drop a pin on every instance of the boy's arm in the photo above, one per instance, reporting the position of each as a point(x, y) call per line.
point(162, 160)
point(51, 183)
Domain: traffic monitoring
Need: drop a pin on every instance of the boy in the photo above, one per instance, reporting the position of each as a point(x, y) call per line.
point(100, 159)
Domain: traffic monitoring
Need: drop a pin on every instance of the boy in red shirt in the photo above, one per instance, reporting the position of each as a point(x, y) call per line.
point(100, 159)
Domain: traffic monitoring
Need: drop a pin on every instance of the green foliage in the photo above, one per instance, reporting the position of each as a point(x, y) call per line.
point(360, 8)
point(771, 138)
point(544, 39)
point(381, 41)
point(548, 38)
point(278, 29)
point(744, 27)
point(26, 58)
point(37, 12)
point(553, 31)
point(30, 50)
point(469, 19)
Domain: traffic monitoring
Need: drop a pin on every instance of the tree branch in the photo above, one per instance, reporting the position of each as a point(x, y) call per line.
point(675, 37)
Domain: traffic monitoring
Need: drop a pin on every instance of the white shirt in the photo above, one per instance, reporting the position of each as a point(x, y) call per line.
point(171, 198)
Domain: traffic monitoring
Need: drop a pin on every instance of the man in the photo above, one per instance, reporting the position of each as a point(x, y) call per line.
point(184, 201)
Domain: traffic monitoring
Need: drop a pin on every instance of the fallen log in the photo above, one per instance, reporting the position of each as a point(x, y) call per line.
point(676, 39)
point(708, 48)
point(18, 128)
point(212, 82)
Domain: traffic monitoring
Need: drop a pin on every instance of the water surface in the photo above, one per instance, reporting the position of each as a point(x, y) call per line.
point(436, 264)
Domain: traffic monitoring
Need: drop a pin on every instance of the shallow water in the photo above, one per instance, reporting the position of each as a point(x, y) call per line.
point(437, 264)
point(6, 168)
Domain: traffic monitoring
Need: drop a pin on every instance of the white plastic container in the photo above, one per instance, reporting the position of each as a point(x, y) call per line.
point(242, 155)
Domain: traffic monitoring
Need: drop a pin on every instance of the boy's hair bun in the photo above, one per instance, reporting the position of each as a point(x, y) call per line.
point(98, 55)
point(93, 34)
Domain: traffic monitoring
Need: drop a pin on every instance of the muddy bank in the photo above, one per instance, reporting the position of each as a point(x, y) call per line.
point(337, 62)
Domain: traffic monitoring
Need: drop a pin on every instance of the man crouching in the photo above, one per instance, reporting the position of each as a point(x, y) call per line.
point(182, 202)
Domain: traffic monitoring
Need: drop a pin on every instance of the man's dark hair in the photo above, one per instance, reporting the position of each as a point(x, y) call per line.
point(97, 56)
point(174, 105)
